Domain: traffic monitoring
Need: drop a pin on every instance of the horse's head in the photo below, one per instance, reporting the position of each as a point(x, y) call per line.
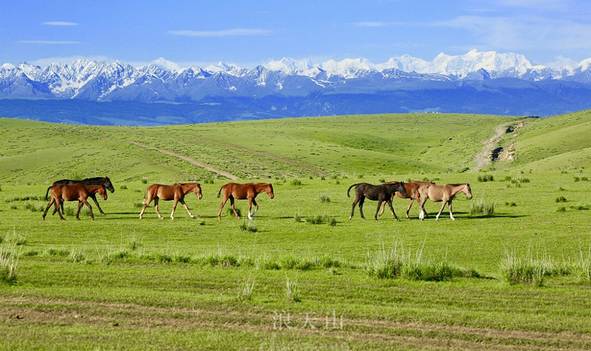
point(102, 191)
point(401, 189)
point(269, 190)
point(197, 191)
point(467, 191)
point(109, 185)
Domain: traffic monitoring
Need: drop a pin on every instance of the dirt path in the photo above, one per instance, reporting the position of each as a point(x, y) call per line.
point(484, 157)
point(188, 159)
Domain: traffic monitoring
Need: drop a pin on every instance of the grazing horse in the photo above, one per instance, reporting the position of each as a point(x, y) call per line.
point(380, 193)
point(174, 192)
point(248, 191)
point(74, 192)
point(412, 193)
point(442, 193)
point(87, 181)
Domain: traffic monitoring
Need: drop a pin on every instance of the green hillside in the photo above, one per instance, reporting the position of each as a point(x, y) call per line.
point(346, 145)
point(122, 283)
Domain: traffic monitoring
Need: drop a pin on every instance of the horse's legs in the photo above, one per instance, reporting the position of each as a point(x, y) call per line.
point(410, 205)
point(256, 206)
point(89, 209)
point(93, 196)
point(157, 207)
point(422, 212)
point(147, 201)
point(79, 208)
point(222, 204)
point(451, 215)
point(361, 201)
point(58, 204)
point(378, 209)
point(249, 208)
point(176, 201)
point(440, 210)
point(51, 202)
point(186, 208)
point(392, 209)
point(233, 205)
point(353, 207)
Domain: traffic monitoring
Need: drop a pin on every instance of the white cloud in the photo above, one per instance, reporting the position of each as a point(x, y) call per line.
point(232, 32)
point(524, 33)
point(60, 23)
point(50, 42)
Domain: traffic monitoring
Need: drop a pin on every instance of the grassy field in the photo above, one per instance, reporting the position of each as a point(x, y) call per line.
point(301, 276)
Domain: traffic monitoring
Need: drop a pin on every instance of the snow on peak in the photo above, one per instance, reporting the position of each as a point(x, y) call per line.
point(347, 68)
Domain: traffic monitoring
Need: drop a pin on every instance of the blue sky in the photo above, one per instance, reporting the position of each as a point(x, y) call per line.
point(251, 32)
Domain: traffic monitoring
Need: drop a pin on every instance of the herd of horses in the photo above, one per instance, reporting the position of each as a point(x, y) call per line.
point(416, 191)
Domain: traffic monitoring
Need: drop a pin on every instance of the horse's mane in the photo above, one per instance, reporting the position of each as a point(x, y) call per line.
point(93, 180)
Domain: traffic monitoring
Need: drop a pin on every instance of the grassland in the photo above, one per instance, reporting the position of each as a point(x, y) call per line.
point(121, 283)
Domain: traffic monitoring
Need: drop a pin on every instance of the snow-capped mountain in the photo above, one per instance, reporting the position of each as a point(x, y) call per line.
point(165, 81)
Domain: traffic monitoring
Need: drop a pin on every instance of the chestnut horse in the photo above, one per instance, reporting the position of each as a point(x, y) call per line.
point(74, 192)
point(174, 192)
point(412, 193)
point(442, 193)
point(86, 181)
point(380, 193)
point(248, 191)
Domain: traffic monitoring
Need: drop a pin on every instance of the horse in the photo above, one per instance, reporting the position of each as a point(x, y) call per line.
point(74, 192)
point(174, 192)
point(380, 193)
point(412, 193)
point(87, 181)
point(439, 193)
point(248, 191)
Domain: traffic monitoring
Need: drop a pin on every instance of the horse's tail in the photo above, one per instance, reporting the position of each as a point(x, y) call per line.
point(47, 192)
point(348, 190)
point(220, 191)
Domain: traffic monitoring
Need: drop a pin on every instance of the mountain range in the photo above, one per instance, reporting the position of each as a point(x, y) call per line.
point(101, 92)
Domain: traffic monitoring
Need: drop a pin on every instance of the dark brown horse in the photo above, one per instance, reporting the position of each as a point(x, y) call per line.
point(174, 192)
point(248, 191)
point(74, 192)
point(442, 193)
point(86, 181)
point(380, 193)
point(412, 193)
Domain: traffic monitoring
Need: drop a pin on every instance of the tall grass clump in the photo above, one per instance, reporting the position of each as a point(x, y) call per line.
point(324, 199)
point(486, 178)
point(292, 291)
point(76, 256)
point(296, 182)
point(524, 270)
point(248, 227)
point(398, 263)
point(8, 264)
point(246, 290)
point(482, 208)
point(583, 265)
point(384, 263)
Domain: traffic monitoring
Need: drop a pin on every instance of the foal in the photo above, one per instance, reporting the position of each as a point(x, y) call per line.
point(412, 193)
point(174, 192)
point(442, 193)
point(86, 181)
point(380, 193)
point(248, 191)
point(74, 192)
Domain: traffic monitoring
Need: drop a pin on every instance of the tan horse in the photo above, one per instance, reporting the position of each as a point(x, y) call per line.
point(412, 193)
point(73, 192)
point(248, 191)
point(442, 193)
point(174, 192)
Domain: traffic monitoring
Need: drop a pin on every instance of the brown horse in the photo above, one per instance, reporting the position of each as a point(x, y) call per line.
point(412, 193)
point(442, 193)
point(174, 192)
point(248, 191)
point(74, 192)
point(380, 193)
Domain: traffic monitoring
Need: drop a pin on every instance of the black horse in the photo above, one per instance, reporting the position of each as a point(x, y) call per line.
point(380, 193)
point(86, 181)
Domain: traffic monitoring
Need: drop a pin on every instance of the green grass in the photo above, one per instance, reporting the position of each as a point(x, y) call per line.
point(189, 284)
